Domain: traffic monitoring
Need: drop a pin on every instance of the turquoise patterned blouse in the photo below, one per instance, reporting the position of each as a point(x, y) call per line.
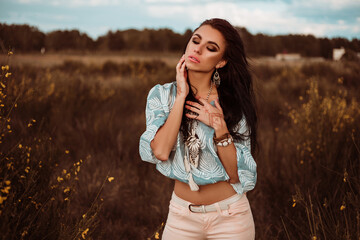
point(160, 101)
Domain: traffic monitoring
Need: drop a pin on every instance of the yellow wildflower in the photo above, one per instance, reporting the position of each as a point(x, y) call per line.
point(59, 179)
point(6, 190)
point(110, 179)
point(67, 176)
point(27, 169)
point(6, 67)
point(24, 233)
point(67, 151)
point(84, 215)
point(157, 235)
point(3, 85)
point(7, 74)
point(2, 199)
point(7, 182)
point(342, 207)
point(8, 126)
point(20, 146)
point(66, 190)
point(314, 238)
point(9, 165)
point(64, 171)
point(10, 53)
point(29, 124)
point(83, 234)
point(66, 199)
point(345, 176)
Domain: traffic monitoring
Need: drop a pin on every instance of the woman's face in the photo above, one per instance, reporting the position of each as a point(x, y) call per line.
point(205, 50)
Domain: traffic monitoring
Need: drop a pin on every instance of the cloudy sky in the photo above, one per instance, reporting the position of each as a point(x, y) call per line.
point(322, 18)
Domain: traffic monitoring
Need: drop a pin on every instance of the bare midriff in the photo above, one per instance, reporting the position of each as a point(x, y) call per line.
point(207, 194)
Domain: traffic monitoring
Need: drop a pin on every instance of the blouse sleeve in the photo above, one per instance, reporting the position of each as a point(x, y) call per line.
point(245, 162)
point(157, 111)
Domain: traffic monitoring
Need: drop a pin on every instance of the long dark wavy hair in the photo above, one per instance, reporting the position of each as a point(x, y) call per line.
point(236, 95)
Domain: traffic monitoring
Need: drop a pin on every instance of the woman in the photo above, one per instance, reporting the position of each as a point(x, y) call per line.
point(199, 131)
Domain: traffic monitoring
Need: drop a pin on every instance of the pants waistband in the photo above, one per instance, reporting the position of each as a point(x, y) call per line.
point(222, 205)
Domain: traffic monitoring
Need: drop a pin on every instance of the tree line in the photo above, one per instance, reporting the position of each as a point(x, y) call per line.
point(25, 38)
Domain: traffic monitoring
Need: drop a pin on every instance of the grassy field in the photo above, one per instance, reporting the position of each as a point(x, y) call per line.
point(70, 167)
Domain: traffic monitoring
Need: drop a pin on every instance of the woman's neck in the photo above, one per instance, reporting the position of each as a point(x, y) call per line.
point(200, 82)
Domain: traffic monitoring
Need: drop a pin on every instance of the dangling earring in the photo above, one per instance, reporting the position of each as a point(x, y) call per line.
point(216, 78)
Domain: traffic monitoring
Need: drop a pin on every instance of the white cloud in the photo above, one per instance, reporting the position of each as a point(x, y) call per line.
point(165, 11)
point(258, 18)
point(167, 1)
point(332, 4)
point(38, 16)
point(29, 1)
point(77, 3)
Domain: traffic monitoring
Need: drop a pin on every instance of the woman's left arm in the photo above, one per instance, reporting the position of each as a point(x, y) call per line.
point(227, 154)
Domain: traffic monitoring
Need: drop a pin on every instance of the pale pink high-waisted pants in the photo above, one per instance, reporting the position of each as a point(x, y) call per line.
point(234, 223)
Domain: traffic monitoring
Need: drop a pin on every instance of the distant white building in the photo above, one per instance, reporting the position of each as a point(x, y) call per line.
point(288, 56)
point(338, 53)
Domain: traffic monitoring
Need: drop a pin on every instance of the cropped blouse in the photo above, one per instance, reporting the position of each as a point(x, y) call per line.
point(210, 170)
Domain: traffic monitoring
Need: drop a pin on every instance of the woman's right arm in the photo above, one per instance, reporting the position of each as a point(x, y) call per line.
point(165, 137)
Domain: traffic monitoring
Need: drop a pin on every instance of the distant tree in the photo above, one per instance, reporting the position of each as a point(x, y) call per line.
point(326, 48)
point(21, 37)
point(68, 40)
point(26, 38)
point(115, 41)
point(248, 40)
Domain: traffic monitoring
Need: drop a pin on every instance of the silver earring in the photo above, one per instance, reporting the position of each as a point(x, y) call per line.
point(216, 78)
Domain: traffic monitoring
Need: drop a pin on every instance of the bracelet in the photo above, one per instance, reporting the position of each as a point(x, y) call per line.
point(223, 140)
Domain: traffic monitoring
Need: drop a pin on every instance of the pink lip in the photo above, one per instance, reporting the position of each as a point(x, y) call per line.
point(194, 59)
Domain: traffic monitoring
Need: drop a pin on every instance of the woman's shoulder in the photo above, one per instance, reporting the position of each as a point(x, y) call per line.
point(162, 90)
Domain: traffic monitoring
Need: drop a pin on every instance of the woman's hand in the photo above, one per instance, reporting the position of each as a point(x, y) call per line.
point(208, 114)
point(181, 79)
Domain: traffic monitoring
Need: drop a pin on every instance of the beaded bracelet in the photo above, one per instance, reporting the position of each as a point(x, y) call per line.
point(223, 140)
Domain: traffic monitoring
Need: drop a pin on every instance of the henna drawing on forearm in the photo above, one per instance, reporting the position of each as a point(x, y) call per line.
point(215, 119)
point(178, 90)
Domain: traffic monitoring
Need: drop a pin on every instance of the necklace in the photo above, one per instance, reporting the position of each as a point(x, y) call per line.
point(211, 86)
point(192, 144)
point(192, 149)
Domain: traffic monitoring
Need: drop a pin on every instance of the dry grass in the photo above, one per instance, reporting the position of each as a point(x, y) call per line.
point(93, 107)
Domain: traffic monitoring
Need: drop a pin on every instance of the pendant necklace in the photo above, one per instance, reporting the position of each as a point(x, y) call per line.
point(193, 142)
